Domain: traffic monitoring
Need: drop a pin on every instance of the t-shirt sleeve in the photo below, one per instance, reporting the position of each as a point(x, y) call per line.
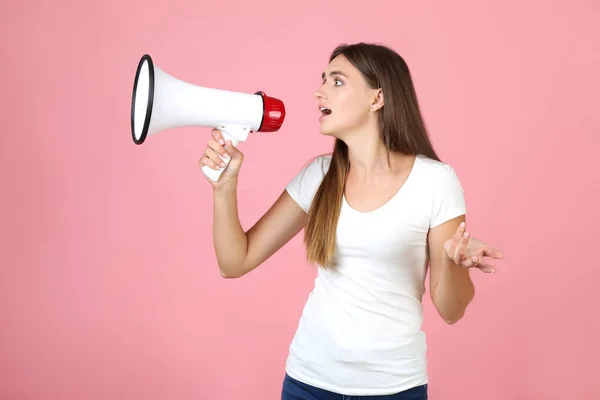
point(448, 198)
point(304, 185)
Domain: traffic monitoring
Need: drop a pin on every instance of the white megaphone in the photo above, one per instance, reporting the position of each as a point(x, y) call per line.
point(161, 102)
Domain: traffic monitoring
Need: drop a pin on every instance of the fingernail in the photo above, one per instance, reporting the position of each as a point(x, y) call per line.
point(222, 164)
point(221, 141)
point(225, 155)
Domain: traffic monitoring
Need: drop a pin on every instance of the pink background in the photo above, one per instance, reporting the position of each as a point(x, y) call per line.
point(109, 287)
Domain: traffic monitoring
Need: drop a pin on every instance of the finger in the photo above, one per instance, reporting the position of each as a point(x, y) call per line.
point(487, 268)
point(463, 245)
point(484, 265)
point(214, 157)
point(492, 252)
point(474, 260)
point(456, 240)
point(217, 136)
point(459, 232)
point(232, 150)
point(206, 161)
point(477, 256)
point(214, 145)
point(469, 262)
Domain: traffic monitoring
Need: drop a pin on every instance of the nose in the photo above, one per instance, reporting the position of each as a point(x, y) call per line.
point(319, 94)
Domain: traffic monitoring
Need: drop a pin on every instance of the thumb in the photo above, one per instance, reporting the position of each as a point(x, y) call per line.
point(233, 151)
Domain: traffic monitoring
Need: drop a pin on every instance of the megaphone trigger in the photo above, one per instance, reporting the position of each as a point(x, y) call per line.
point(161, 102)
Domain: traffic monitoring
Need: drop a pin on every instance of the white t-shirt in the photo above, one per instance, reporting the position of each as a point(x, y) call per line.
point(360, 330)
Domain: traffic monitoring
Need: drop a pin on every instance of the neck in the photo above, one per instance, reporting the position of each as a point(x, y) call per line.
point(368, 154)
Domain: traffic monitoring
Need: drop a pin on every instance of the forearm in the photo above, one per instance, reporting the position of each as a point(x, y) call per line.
point(230, 241)
point(453, 292)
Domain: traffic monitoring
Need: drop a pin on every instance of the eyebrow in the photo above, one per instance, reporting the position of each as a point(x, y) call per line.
point(332, 73)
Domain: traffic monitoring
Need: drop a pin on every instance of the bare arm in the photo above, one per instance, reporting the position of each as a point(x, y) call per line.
point(240, 252)
point(451, 288)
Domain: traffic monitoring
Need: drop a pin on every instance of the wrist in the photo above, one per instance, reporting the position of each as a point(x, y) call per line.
point(228, 187)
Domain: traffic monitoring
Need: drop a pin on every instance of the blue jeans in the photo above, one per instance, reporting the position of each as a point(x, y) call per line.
point(295, 390)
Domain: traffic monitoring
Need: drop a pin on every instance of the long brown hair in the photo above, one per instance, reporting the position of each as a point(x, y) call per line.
point(402, 130)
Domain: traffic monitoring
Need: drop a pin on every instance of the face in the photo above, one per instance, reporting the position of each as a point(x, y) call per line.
point(350, 104)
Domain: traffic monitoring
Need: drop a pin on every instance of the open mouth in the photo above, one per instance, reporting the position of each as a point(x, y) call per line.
point(325, 111)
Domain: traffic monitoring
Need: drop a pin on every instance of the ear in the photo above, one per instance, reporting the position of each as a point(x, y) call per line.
point(377, 102)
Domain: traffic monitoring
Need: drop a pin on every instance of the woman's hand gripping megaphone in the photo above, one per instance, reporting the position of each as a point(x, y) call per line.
point(216, 148)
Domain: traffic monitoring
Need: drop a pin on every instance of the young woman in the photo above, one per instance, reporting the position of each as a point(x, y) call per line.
point(376, 213)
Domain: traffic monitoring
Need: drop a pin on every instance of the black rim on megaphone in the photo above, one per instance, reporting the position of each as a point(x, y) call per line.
point(150, 100)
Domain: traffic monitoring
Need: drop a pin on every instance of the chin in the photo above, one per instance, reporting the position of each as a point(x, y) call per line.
point(327, 130)
point(334, 133)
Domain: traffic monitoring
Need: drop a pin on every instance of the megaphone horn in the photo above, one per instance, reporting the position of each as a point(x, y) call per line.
point(160, 102)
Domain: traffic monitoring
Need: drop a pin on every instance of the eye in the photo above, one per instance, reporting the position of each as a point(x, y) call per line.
point(337, 82)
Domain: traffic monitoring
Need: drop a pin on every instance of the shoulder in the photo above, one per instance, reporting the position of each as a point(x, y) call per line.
point(319, 165)
point(437, 171)
point(445, 189)
point(303, 186)
point(315, 169)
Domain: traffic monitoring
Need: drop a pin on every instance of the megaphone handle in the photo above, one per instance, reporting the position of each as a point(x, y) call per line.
point(229, 133)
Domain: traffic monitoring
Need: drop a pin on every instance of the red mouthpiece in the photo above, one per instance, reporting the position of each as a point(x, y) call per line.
point(273, 113)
